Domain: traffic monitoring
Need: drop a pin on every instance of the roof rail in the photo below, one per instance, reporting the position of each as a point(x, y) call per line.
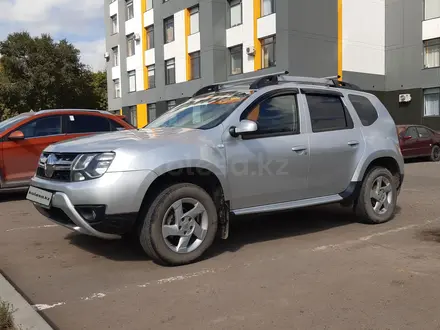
point(257, 82)
point(216, 87)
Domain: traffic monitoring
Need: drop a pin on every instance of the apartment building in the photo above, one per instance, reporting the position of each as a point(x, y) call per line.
point(160, 52)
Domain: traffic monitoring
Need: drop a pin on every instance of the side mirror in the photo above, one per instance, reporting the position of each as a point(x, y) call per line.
point(245, 126)
point(406, 138)
point(16, 135)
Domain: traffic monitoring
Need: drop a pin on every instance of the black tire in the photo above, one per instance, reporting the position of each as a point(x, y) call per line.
point(150, 235)
point(363, 206)
point(435, 153)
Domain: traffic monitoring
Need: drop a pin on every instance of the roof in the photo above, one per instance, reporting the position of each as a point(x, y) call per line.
point(73, 110)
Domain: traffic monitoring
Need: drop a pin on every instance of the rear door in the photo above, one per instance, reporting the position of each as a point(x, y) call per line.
point(336, 146)
point(20, 158)
point(424, 142)
point(77, 125)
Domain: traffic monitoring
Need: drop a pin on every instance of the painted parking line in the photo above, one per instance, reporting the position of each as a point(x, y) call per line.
point(206, 272)
point(31, 227)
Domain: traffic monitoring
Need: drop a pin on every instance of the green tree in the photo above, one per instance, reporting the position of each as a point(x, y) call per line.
point(39, 73)
point(99, 84)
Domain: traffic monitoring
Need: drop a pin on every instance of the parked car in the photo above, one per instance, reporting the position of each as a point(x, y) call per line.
point(418, 141)
point(24, 137)
point(274, 144)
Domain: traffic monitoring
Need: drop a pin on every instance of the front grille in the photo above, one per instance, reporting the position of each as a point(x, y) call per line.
point(55, 166)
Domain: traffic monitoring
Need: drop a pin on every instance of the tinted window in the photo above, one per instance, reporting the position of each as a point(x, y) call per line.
point(411, 131)
point(277, 114)
point(423, 132)
point(327, 113)
point(87, 124)
point(42, 127)
point(364, 108)
point(115, 126)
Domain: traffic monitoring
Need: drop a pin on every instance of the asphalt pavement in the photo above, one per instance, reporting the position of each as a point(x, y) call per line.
point(310, 269)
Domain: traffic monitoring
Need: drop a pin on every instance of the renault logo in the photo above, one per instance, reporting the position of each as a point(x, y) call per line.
point(49, 166)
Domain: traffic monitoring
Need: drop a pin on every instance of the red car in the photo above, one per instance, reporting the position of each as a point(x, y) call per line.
point(419, 141)
point(24, 137)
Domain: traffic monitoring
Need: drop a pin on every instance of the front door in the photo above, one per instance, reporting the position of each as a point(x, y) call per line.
point(336, 146)
point(20, 158)
point(409, 145)
point(271, 165)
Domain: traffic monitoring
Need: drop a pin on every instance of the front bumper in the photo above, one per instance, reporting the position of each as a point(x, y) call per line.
point(116, 197)
point(64, 213)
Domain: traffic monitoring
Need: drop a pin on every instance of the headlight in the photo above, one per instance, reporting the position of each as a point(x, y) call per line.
point(91, 166)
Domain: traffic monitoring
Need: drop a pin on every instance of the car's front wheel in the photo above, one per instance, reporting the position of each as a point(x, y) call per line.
point(378, 196)
point(179, 225)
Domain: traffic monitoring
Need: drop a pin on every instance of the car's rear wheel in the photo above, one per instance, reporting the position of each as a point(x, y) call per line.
point(378, 196)
point(180, 225)
point(435, 153)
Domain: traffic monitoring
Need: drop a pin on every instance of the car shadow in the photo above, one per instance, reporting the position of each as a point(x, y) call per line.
point(302, 222)
point(116, 250)
point(12, 196)
point(243, 231)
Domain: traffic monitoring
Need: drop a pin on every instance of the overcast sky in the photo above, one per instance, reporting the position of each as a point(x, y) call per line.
point(81, 22)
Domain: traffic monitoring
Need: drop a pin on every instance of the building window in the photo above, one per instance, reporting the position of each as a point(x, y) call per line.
point(195, 65)
point(236, 60)
point(132, 81)
point(267, 7)
point(130, 9)
point(131, 45)
point(114, 20)
point(194, 20)
point(151, 76)
point(170, 72)
point(432, 102)
point(115, 56)
point(235, 12)
point(149, 4)
point(432, 9)
point(150, 37)
point(151, 109)
point(169, 29)
point(117, 88)
point(432, 53)
point(171, 104)
point(133, 115)
point(268, 47)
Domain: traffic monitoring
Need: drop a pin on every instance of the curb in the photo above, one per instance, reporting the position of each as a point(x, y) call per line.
point(24, 316)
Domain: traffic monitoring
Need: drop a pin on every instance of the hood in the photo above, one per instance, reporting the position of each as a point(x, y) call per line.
point(147, 137)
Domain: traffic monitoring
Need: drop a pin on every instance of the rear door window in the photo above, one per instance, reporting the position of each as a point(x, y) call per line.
point(365, 109)
point(423, 132)
point(76, 124)
point(115, 126)
point(327, 113)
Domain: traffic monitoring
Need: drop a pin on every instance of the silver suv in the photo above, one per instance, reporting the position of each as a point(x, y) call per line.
point(250, 146)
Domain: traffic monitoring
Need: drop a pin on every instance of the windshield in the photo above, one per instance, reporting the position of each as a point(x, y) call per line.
point(5, 124)
point(201, 112)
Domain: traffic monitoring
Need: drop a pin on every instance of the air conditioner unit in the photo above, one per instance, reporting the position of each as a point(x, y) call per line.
point(250, 50)
point(106, 55)
point(137, 37)
point(404, 98)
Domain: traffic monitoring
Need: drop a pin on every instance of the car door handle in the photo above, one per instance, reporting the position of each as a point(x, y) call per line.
point(300, 149)
point(353, 143)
